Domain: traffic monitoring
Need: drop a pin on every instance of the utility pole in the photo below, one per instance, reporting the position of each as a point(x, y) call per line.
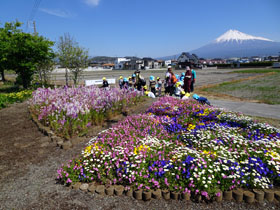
point(34, 27)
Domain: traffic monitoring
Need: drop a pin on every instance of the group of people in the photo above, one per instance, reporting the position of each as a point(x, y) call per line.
point(178, 85)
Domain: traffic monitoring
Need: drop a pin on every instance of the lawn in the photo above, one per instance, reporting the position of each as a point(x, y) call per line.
point(264, 89)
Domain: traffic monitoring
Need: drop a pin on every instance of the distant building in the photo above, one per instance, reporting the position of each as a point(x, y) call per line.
point(187, 59)
point(108, 65)
point(148, 63)
point(120, 63)
point(256, 59)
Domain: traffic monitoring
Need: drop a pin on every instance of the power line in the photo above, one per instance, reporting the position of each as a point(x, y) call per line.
point(33, 12)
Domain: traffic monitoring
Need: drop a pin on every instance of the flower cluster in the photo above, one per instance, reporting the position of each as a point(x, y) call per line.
point(71, 110)
point(9, 98)
point(182, 146)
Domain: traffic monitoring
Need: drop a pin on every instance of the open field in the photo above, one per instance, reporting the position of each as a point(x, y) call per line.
point(263, 89)
point(204, 77)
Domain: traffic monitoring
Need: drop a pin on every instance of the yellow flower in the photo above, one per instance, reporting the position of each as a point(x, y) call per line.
point(191, 127)
point(88, 150)
point(275, 155)
point(141, 148)
point(209, 153)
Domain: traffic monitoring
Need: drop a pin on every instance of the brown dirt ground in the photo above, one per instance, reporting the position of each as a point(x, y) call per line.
point(28, 164)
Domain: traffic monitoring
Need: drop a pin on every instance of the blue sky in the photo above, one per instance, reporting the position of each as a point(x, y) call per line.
point(144, 27)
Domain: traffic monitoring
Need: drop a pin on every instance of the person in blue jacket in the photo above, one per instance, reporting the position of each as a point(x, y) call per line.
point(193, 79)
point(201, 100)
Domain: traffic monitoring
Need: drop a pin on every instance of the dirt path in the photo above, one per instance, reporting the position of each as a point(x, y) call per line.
point(28, 164)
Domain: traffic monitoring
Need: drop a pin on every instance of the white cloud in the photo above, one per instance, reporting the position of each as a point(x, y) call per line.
point(56, 12)
point(92, 2)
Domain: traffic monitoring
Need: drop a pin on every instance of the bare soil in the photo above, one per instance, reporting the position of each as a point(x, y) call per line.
point(28, 164)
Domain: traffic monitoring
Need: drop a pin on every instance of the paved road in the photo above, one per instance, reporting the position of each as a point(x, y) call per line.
point(253, 109)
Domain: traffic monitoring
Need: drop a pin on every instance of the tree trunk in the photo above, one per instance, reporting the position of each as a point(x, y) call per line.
point(66, 76)
point(3, 75)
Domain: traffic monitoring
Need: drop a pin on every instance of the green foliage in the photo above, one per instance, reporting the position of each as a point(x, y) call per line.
point(264, 89)
point(71, 56)
point(23, 52)
point(245, 65)
point(6, 34)
point(257, 71)
point(10, 98)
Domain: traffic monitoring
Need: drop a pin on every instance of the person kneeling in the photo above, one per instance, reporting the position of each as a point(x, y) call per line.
point(105, 83)
point(184, 96)
point(148, 93)
point(201, 100)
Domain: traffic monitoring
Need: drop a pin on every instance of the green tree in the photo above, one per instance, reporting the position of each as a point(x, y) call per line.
point(65, 53)
point(71, 56)
point(23, 52)
point(27, 53)
point(44, 70)
point(78, 63)
point(6, 33)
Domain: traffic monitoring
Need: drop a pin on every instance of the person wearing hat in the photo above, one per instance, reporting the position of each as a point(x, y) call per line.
point(182, 76)
point(201, 100)
point(134, 80)
point(130, 82)
point(125, 83)
point(105, 83)
point(178, 89)
point(139, 81)
point(121, 82)
point(188, 80)
point(148, 93)
point(153, 85)
point(169, 84)
point(158, 86)
point(193, 79)
point(184, 95)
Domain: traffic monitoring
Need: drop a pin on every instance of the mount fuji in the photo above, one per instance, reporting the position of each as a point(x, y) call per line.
point(234, 43)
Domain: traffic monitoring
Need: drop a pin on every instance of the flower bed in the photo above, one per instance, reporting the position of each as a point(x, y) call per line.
point(70, 111)
point(9, 98)
point(181, 146)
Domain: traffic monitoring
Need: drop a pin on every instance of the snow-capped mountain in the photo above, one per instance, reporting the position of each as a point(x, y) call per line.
point(234, 43)
point(234, 35)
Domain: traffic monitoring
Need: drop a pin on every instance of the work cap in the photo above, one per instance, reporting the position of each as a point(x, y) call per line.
point(195, 96)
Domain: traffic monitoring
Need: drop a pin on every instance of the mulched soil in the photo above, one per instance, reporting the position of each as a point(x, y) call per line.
point(28, 164)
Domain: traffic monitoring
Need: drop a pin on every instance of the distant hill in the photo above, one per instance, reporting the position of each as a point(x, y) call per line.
point(234, 43)
point(102, 59)
point(171, 57)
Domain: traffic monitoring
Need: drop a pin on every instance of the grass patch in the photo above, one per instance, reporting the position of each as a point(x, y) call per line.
point(256, 71)
point(11, 93)
point(263, 89)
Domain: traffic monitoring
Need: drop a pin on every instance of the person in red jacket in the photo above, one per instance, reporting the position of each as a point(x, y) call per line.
point(188, 80)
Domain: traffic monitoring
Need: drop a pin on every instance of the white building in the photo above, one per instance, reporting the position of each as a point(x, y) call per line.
point(119, 63)
point(167, 62)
